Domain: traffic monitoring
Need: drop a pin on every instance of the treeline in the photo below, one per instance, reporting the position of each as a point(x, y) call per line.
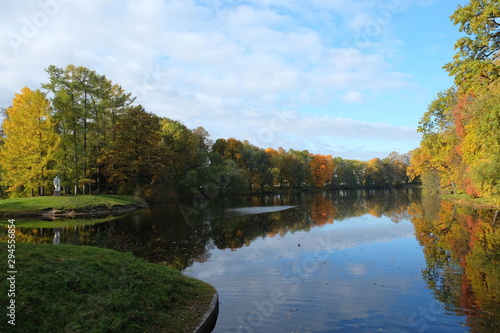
point(87, 131)
point(460, 149)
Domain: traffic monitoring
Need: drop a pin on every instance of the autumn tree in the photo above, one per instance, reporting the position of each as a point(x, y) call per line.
point(322, 168)
point(437, 151)
point(480, 147)
point(460, 129)
point(135, 159)
point(27, 153)
point(375, 176)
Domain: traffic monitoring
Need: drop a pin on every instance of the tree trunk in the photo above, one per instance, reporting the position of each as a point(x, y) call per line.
point(454, 187)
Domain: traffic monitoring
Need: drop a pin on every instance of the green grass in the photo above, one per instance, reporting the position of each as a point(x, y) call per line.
point(34, 205)
point(467, 200)
point(63, 288)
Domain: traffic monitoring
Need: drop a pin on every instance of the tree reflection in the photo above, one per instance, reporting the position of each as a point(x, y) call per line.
point(162, 235)
point(462, 249)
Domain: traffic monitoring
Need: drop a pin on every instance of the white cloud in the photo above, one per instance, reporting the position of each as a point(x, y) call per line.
point(353, 97)
point(203, 62)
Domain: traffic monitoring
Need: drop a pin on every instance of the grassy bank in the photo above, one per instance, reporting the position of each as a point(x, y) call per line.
point(85, 289)
point(70, 203)
point(466, 200)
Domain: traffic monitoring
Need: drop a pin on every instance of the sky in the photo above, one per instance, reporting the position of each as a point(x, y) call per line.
point(348, 78)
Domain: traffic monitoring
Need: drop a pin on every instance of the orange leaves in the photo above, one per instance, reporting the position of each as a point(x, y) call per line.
point(321, 169)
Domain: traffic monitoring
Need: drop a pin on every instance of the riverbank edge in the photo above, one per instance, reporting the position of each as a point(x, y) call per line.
point(209, 320)
point(90, 211)
point(207, 314)
point(49, 212)
point(466, 200)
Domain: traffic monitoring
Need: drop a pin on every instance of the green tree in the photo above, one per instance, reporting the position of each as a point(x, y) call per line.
point(257, 166)
point(27, 153)
point(475, 65)
point(301, 174)
point(86, 107)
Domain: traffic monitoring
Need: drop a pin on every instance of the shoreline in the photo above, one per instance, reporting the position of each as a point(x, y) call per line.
point(114, 210)
point(51, 207)
point(477, 203)
point(54, 213)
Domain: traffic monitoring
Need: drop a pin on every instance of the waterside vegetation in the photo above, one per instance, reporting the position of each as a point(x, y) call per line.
point(88, 132)
point(460, 149)
point(87, 289)
point(68, 205)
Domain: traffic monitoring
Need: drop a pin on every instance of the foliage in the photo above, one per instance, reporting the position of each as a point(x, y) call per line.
point(99, 142)
point(461, 129)
point(322, 170)
point(134, 160)
point(27, 153)
point(475, 65)
point(86, 107)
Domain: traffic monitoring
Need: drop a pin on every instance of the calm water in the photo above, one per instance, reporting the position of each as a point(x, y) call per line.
point(348, 261)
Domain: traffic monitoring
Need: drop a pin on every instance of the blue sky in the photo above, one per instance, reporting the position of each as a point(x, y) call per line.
point(341, 77)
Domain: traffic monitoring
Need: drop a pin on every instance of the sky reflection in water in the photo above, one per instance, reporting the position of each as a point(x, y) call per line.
point(359, 274)
point(360, 266)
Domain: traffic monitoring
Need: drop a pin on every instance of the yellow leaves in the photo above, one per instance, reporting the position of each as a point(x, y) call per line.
point(30, 141)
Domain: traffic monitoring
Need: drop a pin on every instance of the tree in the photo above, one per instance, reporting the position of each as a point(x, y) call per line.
point(375, 173)
point(322, 170)
point(135, 160)
point(301, 170)
point(437, 149)
point(30, 141)
point(481, 145)
point(86, 107)
point(475, 65)
point(258, 167)
point(397, 165)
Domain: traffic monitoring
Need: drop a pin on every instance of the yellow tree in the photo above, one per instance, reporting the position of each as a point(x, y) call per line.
point(29, 144)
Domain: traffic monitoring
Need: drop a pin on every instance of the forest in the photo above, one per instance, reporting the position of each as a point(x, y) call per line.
point(86, 130)
point(460, 148)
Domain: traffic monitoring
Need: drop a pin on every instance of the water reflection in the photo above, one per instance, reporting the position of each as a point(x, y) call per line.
point(363, 261)
point(462, 251)
point(161, 234)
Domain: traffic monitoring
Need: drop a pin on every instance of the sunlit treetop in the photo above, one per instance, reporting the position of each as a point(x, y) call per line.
point(477, 62)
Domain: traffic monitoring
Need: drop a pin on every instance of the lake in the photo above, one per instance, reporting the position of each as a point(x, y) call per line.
point(346, 261)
